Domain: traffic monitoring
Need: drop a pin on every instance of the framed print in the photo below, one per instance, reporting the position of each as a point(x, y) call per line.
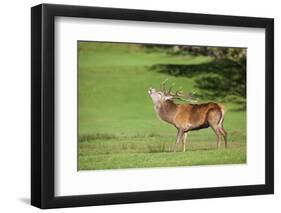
point(139, 106)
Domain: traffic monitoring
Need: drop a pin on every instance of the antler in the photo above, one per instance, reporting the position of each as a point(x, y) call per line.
point(164, 89)
point(178, 94)
point(162, 86)
point(184, 96)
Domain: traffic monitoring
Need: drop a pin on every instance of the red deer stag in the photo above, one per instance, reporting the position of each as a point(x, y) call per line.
point(187, 117)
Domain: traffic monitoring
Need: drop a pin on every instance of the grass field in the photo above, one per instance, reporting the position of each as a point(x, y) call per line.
point(118, 127)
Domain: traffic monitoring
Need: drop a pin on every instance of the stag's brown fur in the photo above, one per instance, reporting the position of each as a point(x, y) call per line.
point(189, 117)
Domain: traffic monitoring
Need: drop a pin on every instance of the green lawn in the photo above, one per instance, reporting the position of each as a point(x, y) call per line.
point(118, 127)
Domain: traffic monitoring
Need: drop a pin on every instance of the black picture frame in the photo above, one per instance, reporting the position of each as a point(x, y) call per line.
point(43, 102)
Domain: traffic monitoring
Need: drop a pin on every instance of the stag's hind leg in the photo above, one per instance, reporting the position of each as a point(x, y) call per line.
point(214, 117)
point(221, 128)
point(224, 134)
point(218, 134)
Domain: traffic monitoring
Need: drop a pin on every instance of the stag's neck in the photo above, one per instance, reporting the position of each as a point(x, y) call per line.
point(166, 111)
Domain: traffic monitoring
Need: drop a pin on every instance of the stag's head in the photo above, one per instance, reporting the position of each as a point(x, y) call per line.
point(165, 94)
point(158, 96)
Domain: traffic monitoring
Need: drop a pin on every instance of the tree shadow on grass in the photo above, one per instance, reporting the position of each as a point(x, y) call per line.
point(218, 79)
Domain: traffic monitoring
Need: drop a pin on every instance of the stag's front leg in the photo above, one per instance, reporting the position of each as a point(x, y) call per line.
point(184, 140)
point(179, 138)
